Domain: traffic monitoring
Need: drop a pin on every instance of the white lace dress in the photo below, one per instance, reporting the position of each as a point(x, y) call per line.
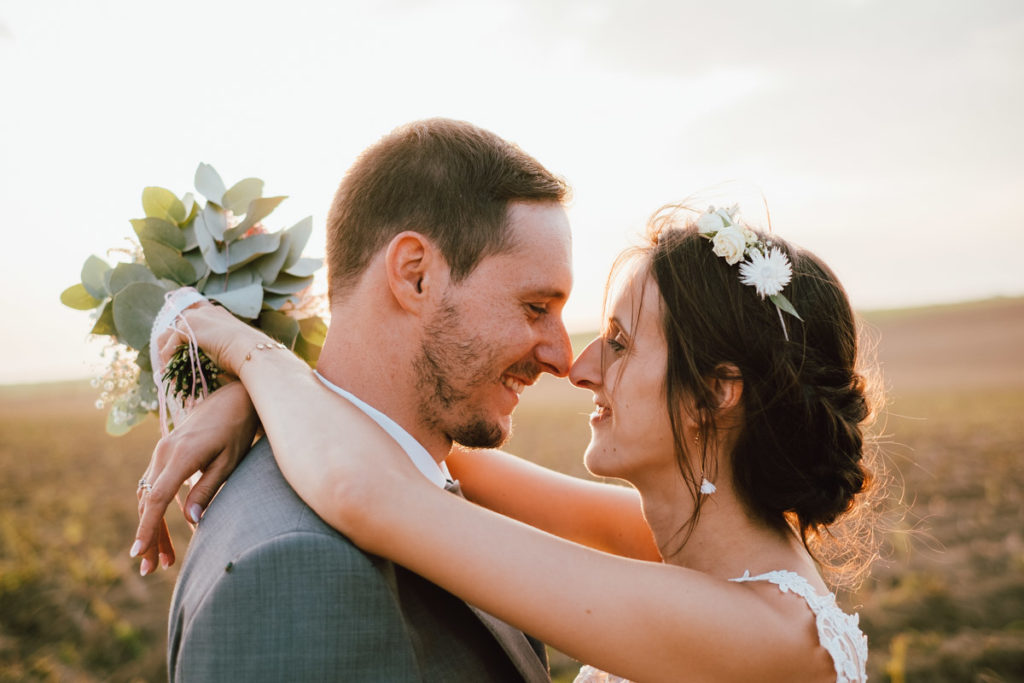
point(838, 631)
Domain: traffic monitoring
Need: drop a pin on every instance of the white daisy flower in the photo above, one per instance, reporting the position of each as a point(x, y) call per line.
point(767, 272)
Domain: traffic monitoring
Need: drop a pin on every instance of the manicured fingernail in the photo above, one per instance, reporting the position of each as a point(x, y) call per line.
point(165, 560)
point(136, 549)
point(145, 567)
point(195, 511)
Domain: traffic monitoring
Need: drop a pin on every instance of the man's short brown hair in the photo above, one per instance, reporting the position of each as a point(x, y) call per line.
point(448, 180)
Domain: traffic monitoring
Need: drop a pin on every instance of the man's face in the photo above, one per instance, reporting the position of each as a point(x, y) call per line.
point(495, 331)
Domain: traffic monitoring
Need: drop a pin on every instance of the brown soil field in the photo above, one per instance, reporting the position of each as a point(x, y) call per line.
point(945, 602)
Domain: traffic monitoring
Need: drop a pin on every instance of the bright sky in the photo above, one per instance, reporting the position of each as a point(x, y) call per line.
point(886, 135)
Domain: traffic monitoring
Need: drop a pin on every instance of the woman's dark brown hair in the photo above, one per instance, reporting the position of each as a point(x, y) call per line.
point(800, 456)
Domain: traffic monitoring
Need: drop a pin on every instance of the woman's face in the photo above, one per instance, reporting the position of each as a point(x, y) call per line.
point(625, 368)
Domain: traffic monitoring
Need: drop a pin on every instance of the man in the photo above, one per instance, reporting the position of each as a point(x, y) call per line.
point(449, 264)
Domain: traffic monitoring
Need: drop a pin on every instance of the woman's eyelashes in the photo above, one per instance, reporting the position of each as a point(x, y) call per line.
point(617, 341)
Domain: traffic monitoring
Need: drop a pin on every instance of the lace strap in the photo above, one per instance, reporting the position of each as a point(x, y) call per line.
point(838, 632)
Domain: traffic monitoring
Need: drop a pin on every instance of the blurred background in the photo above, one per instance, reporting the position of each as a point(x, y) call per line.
point(885, 136)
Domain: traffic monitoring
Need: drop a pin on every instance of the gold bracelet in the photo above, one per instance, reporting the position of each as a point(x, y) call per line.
point(262, 346)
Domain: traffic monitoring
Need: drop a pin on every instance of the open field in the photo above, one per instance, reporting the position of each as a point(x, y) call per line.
point(945, 604)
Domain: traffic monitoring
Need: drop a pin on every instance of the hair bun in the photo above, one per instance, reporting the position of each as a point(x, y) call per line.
point(837, 413)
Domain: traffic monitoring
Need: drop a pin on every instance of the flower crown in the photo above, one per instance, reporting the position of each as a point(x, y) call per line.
point(766, 268)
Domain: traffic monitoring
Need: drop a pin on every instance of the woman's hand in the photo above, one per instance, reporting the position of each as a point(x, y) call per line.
point(213, 439)
point(222, 336)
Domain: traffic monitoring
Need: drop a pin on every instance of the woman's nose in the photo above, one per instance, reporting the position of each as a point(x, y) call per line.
point(586, 369)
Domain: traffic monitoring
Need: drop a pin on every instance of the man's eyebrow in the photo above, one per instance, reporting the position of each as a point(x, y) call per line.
point(557, 294)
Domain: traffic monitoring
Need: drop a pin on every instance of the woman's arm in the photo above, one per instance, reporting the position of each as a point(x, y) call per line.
point(602, 516)
point(643, 620)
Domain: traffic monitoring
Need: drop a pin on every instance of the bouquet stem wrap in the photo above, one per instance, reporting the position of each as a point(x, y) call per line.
point(170, 318)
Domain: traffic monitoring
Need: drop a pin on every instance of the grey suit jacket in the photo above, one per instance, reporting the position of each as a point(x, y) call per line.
point(269, 592)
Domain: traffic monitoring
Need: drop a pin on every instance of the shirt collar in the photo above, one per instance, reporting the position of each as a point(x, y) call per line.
point(431, 469)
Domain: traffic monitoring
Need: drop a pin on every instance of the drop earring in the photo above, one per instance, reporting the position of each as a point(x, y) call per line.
point(706, 487)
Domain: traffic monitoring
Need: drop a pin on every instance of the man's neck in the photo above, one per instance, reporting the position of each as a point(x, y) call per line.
point(371, 363)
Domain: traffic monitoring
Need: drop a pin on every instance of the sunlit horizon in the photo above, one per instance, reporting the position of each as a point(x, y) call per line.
point(884, 137)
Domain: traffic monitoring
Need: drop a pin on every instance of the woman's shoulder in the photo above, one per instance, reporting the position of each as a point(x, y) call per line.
point(837, 632)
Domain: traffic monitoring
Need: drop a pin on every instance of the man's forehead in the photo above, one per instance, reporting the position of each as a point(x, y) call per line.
point(538, 220)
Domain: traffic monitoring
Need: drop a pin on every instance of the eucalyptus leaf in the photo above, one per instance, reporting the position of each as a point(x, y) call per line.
point(135, 307)
point(244, 302)
point(147, 387)
point(313, 329)
point(191, 208)
point(298, 236)
point(312, 333)
point(124, 274)
point(288, 284)
point(783, 303)
point(209, 183)
point(215, 220)
point(166, 262)
point(199, 264)
point(305, 266)
point(79, 298)
point(258, 209)
point(207, 245)
point(306, 351)
point(144, 362)
point(281, 327)
point(226, 282)
point(276, 301)
point(105, 323)
point(189, 232)
point(241, 193)
point(201, 282)
point(249, 249)
point(93, 272)
point(159, 230)
point(269, 265)
point(161, 203)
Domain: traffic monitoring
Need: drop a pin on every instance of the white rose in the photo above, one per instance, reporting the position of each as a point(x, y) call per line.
point(709, 221)
point(730, 244)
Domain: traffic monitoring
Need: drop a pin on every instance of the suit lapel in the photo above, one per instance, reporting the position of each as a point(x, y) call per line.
point(512, 640)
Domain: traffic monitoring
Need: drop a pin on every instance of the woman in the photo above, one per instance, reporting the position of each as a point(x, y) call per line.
point(736, 412)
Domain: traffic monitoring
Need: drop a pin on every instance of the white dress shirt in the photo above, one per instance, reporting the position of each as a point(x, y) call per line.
point(431, 469)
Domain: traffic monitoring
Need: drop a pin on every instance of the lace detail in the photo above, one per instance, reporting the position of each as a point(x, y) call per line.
point(838, 631)
point(589, 674)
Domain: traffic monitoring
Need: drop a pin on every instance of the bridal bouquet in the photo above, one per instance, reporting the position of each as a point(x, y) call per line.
point(220, 248)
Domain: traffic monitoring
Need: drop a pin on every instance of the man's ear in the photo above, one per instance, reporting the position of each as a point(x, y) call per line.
point(414, 269)
point(727, 386)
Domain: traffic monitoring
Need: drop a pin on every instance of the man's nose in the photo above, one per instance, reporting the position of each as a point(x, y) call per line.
point(555, 351)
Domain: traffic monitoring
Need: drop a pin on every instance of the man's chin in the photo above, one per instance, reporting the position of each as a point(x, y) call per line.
point(481, 434)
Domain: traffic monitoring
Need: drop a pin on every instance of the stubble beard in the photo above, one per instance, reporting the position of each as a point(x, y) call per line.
point(451, 363)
